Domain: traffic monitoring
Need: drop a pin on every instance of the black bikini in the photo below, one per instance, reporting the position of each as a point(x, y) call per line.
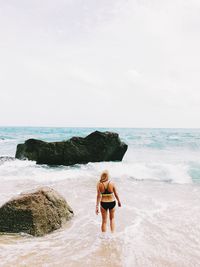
point(107, 205)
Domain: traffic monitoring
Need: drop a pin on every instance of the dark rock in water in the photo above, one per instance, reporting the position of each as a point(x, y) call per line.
point(36, 213)
point(96, 147)
point(5, 159)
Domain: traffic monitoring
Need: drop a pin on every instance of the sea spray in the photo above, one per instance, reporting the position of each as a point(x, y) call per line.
point(158, 186)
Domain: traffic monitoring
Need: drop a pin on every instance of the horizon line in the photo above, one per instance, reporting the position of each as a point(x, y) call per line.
point(98, 127)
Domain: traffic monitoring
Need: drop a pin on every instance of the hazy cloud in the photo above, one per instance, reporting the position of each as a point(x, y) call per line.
point(100, 63)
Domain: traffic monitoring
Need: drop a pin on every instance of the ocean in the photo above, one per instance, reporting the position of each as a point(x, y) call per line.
point(158, 183)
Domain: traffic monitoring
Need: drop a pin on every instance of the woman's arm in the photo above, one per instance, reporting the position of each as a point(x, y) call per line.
point(98, 199)
point(116, 195)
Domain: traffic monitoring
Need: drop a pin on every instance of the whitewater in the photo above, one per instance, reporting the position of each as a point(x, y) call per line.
point(158, 183)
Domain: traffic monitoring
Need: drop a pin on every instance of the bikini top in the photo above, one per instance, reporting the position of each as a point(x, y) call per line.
point(106, 191)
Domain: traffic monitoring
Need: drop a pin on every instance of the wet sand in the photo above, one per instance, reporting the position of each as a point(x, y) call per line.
point(158, 225)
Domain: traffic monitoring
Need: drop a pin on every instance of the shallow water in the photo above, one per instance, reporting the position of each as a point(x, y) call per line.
point(157, 225)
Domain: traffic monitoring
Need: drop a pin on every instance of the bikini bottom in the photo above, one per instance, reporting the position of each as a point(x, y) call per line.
point(108, 205)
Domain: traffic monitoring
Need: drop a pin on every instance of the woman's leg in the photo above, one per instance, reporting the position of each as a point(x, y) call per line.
point(112, 219)
point(104, 219)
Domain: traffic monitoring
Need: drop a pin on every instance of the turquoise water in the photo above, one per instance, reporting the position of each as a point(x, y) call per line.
point(153, 138)
point(160, 154)
point(158, 184)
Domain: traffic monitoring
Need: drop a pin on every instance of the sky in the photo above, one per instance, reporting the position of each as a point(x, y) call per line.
point(105, 63)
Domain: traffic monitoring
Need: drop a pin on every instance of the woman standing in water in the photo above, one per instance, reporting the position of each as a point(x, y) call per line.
point(106, 194)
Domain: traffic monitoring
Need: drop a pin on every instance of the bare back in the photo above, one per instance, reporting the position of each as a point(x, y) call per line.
point(110, 187)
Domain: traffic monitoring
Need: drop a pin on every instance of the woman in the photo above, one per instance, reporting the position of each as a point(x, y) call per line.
point(106, 193)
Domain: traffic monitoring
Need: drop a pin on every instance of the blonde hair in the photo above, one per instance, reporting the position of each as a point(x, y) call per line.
point(104, 176)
